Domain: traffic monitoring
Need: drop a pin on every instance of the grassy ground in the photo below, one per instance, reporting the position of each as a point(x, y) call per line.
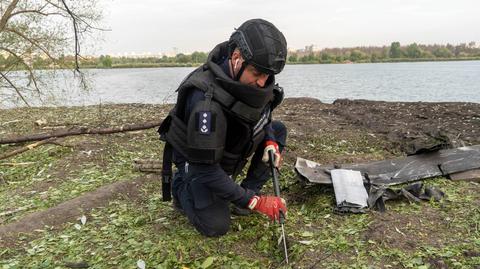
point(127, 230)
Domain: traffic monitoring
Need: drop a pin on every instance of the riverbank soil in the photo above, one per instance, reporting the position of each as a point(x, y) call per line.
point(79, 202)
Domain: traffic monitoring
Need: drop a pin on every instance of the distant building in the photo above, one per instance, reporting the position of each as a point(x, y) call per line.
point(306, 51)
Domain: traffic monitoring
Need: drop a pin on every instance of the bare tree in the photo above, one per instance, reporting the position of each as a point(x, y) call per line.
point(40, 30)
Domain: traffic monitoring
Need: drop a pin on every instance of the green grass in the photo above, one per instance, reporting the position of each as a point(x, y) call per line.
point(423, 235)
point(75, 180)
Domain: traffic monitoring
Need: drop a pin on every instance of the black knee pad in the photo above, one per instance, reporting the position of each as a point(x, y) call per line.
point(215, 229)
point(213, 220)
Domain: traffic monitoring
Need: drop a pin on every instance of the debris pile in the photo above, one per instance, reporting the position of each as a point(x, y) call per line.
point(463, 161)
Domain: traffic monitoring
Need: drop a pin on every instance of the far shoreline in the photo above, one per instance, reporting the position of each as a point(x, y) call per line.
point(170, 65)
point(403, 60)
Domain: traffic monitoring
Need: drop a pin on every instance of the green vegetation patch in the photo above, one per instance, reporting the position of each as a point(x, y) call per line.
point(143, 229)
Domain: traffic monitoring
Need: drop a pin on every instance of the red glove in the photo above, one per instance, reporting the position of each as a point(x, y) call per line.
point(272, 145)
point(268, 205)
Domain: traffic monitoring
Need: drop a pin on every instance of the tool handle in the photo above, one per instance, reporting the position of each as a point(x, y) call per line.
point(276, 184)
point(276, 187)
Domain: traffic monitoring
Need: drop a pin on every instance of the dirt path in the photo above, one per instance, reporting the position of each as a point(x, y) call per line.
point(71, 210)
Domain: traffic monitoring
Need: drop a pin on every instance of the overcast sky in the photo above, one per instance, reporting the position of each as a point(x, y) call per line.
point(198, 25)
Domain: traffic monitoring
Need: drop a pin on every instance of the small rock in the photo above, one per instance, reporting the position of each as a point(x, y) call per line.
point(81, 264)
point(141, 264)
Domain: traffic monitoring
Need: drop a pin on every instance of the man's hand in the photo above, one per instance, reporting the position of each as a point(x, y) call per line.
point(268, 205)
point(272, 146)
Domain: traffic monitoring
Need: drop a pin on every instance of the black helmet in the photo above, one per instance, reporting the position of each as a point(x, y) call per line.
point(261, 44)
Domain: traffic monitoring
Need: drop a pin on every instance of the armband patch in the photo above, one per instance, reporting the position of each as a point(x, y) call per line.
point(205, 122)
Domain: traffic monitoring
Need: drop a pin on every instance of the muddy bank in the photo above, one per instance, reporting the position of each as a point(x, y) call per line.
point(404, 126)
point(403, 123)
point(458, 119)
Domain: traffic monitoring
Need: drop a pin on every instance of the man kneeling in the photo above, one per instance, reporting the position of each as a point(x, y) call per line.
point(223, 115)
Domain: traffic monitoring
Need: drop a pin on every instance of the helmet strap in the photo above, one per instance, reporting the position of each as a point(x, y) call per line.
point(240, 72)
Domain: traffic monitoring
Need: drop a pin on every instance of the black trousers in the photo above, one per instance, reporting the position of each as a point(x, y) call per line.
point(214, 219)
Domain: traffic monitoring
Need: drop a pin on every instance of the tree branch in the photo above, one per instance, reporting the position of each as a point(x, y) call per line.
point(80, 131)
point(29, 69)
point(13, 211)
point(33, 42)
point(26, 31)
point(28, 147)
point(16, 164)
point(36, 12)
point(75, 31)
point(15, 88)
point(7, 15)
point(29, 11)
point(148, 165)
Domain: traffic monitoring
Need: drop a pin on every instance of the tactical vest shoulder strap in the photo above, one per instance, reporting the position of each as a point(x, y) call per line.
point(206, 81)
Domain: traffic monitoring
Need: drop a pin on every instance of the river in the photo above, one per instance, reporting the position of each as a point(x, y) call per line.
point(421, 81)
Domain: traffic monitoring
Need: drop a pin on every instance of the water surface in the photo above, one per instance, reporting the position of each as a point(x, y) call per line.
point(423, 81)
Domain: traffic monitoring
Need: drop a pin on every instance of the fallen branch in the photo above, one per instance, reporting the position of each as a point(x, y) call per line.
point(13, 211)
point(23, 149)
point(148, 166)
point(149, 161)
point(8, 122)
point(16, 164)
point(146, 170)
point(80, 131)
point(54, 127)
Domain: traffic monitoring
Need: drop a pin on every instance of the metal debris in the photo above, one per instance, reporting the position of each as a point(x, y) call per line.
point(313, 172)
point(350, 194)
point(401, 170)
point(413, 192)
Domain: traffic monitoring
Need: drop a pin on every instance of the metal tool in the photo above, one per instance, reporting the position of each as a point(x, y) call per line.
point(276, 187)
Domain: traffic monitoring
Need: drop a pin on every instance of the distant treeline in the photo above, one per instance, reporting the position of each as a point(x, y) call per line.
point(393, 53)
point(106, 61)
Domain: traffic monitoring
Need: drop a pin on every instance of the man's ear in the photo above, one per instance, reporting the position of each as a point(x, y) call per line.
point(236, 54)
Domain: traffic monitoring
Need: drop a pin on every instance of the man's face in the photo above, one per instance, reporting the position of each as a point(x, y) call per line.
point(251, 76)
